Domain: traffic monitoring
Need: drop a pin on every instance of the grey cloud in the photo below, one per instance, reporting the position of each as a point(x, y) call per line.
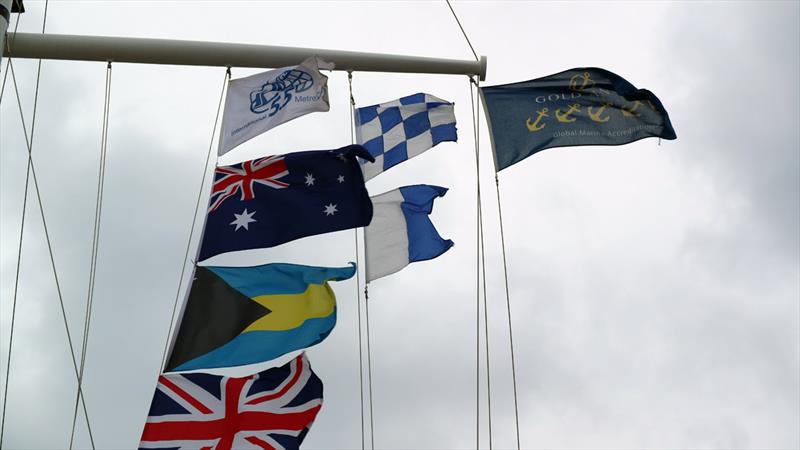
point(653, 288)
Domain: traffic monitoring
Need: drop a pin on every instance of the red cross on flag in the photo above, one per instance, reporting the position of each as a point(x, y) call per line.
point(273, 409)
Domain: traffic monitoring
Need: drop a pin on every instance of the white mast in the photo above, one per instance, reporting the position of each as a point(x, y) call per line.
point(196, 53)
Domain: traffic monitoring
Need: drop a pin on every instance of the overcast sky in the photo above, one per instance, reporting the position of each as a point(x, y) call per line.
point(654, 288)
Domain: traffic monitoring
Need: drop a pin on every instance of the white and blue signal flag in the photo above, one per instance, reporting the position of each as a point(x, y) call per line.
point(401, 231)
point(398, 130)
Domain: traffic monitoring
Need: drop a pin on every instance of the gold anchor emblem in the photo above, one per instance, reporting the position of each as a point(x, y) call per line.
point(629, 112)
point(583, 79)
point(535, 125)
point(565, 117)
point(596, 115)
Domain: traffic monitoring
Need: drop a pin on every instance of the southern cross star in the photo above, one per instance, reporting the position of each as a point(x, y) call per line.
point(330, 209)
point(243, 220)
point(341, 178)
point(309, 179)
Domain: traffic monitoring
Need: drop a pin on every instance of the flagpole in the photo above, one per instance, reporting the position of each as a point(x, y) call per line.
point(199, 53)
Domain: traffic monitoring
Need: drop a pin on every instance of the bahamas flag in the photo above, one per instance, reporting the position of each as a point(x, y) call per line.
point(244, 315)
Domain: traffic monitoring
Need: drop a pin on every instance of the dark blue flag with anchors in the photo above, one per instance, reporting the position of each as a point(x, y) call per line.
point(272, 200)
point(583, 106)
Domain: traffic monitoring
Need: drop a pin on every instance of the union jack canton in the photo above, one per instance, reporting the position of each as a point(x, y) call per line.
point(231, 180)
point(273, 409)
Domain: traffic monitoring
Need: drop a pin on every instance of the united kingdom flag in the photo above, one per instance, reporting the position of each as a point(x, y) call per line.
point(272, 410)
point(231, 180)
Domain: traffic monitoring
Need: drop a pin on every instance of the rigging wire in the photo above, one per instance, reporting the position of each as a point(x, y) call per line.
point(480, 264)
point(358, 267)
point(360, 340)
point(19, 249)
point(482, 256)
point(463, 32)
point(32, 170)
point(98, 210)
point(366, 306)
point(502, 238)
point(49, 245)
point(225, 81)
point(369, 360)
point(508, 308)
point(477, 296)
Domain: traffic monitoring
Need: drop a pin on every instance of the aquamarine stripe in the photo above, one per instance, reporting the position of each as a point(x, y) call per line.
point(279, 278)
point(257, 346)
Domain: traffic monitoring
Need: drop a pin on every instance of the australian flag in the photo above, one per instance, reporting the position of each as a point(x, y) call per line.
point(276, 199)
point(273, 409)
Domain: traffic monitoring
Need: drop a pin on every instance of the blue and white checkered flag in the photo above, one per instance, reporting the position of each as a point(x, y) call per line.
point(400, 129)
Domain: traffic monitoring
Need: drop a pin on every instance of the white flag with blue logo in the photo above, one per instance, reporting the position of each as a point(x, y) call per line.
point(265, 100)
point(401, 231)
point(395, 131)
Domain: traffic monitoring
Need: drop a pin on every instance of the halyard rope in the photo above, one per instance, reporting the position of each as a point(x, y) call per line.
point(482, 259)
point(225, 80)
point(508, 308)
point(477, 295)
point(358, 267)
point(505, 265)
point(98, 210)
point(481, 262)
point(369, 361)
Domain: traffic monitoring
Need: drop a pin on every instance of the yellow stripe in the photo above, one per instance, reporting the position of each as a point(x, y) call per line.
point(291, 310)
